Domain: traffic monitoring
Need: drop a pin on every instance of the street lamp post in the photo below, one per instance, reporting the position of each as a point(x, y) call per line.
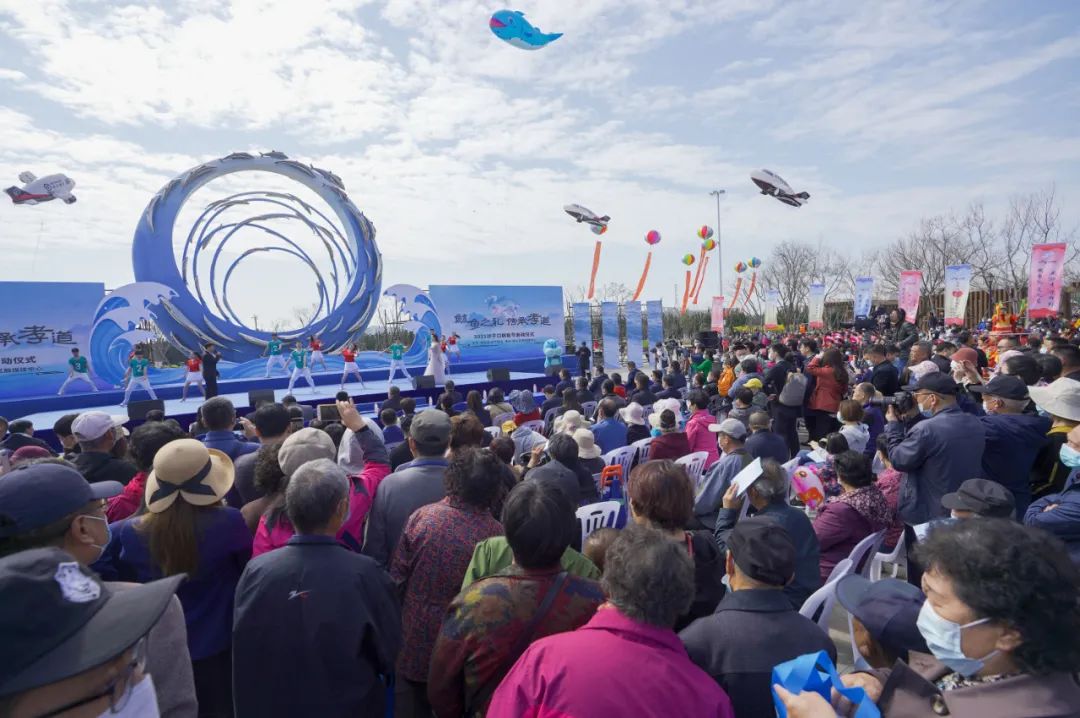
point(719, 246)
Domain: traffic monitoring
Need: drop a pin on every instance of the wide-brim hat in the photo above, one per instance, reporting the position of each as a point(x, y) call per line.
point(571, 421)
point(632, 414)
point(1060, 397)
point(187, 468)
point(660, 407)
point(586, 442)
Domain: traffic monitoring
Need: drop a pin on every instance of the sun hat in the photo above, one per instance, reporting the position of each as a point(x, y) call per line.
point(587, 448)
point(304, 446)
point(1060, 397)
point(187, 468)
point(660, 406)
point(570, 422)
point(633, 414)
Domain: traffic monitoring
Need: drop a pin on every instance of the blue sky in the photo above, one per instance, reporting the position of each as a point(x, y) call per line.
point(462, 149)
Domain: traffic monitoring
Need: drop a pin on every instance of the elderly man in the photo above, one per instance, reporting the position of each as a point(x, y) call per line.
point(936, 455)
point(564, 470)
point(610, 433)
point(1013, 438)
point(763, 443)
point(768, 497)
point(97, 433)
point(730, 435)
point(327, 613)
point(22, 434)
point(649, 582)
point(755, 627)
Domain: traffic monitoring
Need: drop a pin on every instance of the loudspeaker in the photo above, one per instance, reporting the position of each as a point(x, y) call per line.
point(498, 373)
point(709, 340)
point(427, 381)
point(138, 409)
point(260, 396)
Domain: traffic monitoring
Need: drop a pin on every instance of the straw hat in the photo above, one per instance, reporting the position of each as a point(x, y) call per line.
point(586, 442)
point(187, 468)
point(570, 422)
point(632, 414)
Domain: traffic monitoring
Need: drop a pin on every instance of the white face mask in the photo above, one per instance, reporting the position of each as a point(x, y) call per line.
point(141, 702)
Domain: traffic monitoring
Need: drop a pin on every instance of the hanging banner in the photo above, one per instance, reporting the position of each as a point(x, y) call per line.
point(910, 290)
point(772, 302)
point(1044, 283)
point(718, 314)
point(634, 335)
point(816, 305)
point(957, 286)
point(864, 296)
point(582, 324)
point(654, 317)
point(609, 329)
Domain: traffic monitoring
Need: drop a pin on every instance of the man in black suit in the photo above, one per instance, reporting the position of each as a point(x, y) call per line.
point(583, 354)
point(884, 375)
point(599, 377)
point(210, 359)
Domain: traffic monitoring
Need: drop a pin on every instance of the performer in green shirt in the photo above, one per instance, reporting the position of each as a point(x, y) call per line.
point(299, 360)
point(136, 376)
point(274, 355)
point(78, 370)
point(397, 361)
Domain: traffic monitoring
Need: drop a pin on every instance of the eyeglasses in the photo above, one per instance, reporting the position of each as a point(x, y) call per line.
point(118, 690)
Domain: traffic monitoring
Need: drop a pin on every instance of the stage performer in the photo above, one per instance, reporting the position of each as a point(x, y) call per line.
point(435, 360)
point(299, 360)
point(78, 370)
point(452, 346)
point(315, 345)
point(445, 356)
point(583, 355)
point(210, 374)
point(136, 376)
point(194, 375)
point(273, 354)
point(397, 361)
point(349, 355)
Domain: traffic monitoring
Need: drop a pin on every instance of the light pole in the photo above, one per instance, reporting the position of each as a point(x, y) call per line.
point(719, 247)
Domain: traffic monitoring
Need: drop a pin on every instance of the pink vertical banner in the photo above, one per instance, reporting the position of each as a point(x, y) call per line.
point(957, 286)
point(910, 290)
point(718, 314)
point(1044, 282)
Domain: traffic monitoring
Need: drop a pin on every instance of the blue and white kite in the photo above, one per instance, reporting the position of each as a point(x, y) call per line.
point(512, 27)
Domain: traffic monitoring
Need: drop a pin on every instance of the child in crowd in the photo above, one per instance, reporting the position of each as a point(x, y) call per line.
point(835, 444)
point(873, 417)
point(596, 545)
point(888, 480)
point(850, 417)
point(760, 400)
point(743, 406)
point(392, 433)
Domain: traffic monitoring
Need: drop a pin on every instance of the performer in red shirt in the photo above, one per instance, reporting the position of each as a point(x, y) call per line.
point(194, 375)
point(315, 345)
point(349, 355)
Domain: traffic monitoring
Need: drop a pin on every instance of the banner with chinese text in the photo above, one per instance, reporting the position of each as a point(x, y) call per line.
point(609, 329)
point(40, 323)
point(772, 303)
point(957, 287)
point(500, 322)
point(654, 316)
point(864, 296)
point(816, 306)
point(1044, 282)
point(582, 324)
point(635, 349)
point(718, 314)
point(909, 294)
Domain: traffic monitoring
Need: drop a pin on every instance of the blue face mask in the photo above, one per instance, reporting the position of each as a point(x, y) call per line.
point(108, 532)
point(1069, 456)
point(654, 432)
point(943, 638)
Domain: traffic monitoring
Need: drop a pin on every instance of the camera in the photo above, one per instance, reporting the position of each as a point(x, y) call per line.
point(902, 400)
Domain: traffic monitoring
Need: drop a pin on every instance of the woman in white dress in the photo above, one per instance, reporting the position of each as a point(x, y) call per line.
point(435, 360)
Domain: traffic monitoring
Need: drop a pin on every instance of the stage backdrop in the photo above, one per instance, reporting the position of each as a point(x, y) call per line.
point(500, 323)
point(40, 323)
point(582, 325)
point(609, 328)
point(634, 334)
point(654, 313)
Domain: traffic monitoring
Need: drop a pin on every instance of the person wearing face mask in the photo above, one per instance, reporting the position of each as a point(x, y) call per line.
point(1001, 620)
point(1059, 513)
point(49, 504)
point(937, 454)
point(1060, 400)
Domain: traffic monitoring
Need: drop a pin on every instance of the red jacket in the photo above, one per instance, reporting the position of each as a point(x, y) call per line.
point(700, 438)
point(127, 501)
point(828, 392)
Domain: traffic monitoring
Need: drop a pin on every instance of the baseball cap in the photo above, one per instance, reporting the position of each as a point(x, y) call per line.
point(984, 497)
point(1005, 386)
point(60, 620)
point(754, 383)
point(731, 427)
point(303, 446)
point(430, 429)
point(889, 609)
point(762, 549)
point(1060, 397)
point(92, 425)
point(938, 383)
point(965, 354)
point(37, 495)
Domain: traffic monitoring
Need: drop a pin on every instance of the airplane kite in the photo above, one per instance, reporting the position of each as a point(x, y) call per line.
point(773, 184)
point(583, 214)
point(511, 26)
point(45, 189)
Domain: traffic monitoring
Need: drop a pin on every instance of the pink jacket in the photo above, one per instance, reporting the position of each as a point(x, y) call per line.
point(700, 438)
point(127, 501)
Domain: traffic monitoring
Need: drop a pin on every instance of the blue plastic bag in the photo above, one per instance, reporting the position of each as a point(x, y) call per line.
point(815, 672)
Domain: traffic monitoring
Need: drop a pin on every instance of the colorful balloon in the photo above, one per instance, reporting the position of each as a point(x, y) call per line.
point(688, 259)
point(708, 245)
point(740, 267)
point(754, 262)
point(598, 228)
point(705, 232)
point(653, 237)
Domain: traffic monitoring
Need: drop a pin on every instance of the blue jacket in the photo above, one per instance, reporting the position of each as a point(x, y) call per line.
point(936, 456)
point(767, 445)
point(610, 434)
point(1012, 443)
point(1063, 520)
point(875, 423)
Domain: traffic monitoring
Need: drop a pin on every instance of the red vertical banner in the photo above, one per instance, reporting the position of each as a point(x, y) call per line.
point(718, 314)
point(1044, 282)
point(909, 295)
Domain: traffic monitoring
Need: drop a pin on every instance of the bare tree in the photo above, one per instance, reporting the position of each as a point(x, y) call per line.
point(614, 292)
point(577, 293)
point(1032, 219)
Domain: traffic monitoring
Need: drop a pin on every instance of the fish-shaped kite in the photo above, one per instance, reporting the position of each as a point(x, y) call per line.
point(512, 27)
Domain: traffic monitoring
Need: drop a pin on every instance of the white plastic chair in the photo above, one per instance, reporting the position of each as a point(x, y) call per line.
point(642, 446)
point(536, 425)
point(495, 431)
point(588, 408)
point(824, 598)
point(623, 456)
point(862, 555)
point(894, 557)
point(502, 419)
point(595, 516)
point(694, 464)
point(549, 416)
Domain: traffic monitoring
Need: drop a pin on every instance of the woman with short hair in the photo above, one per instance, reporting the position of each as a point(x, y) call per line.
point(857, 512)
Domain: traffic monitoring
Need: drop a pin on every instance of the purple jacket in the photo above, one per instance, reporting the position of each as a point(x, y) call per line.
point(557, 675)
point(847, 520)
